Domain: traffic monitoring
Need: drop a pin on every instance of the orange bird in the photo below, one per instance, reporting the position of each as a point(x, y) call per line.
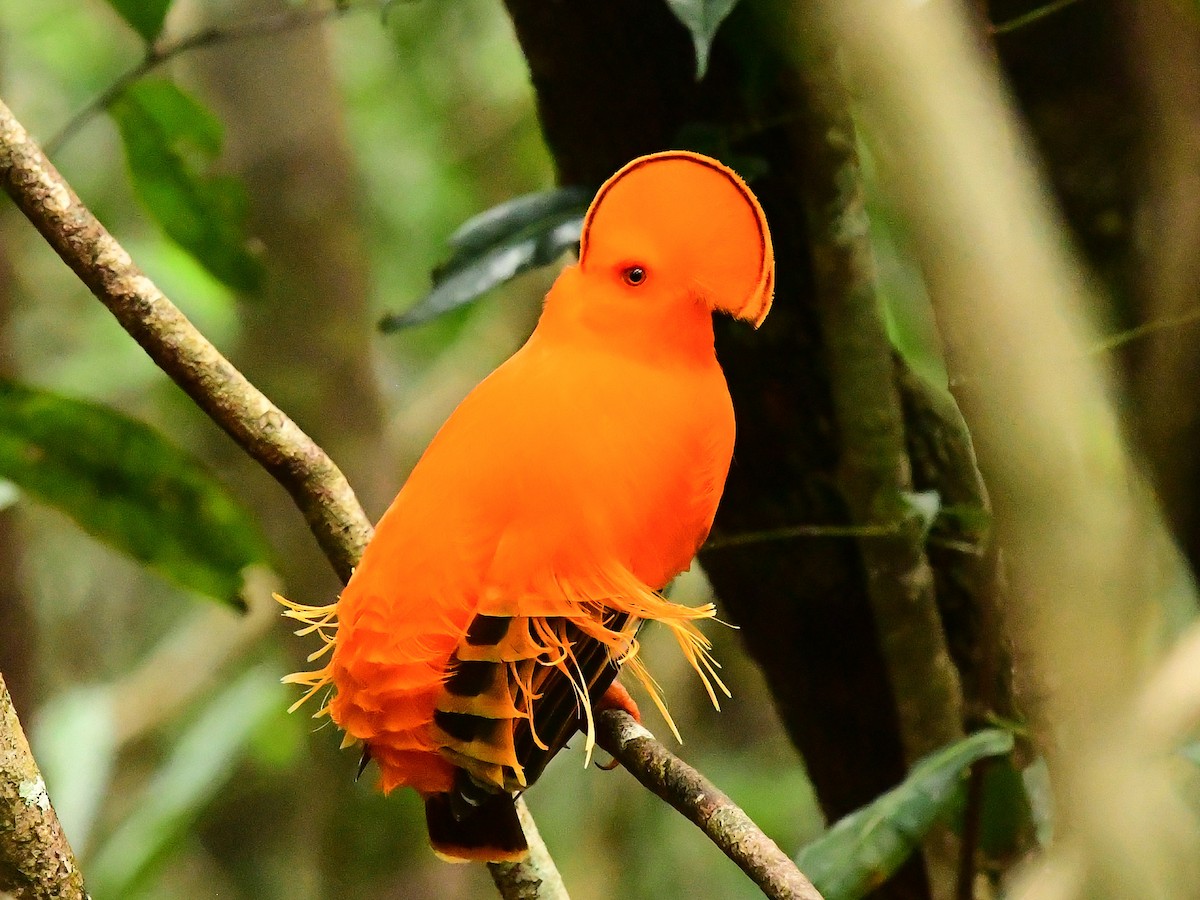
point(504, 586)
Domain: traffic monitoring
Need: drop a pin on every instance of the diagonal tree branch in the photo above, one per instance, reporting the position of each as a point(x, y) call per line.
point(291, 457)
point(322, 493)
point(257, 425)
point(36, 861)
point(704, 804)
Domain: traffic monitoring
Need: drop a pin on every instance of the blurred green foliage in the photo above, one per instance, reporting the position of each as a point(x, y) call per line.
point(233, 798)
point(122, 482)
point(200, 763)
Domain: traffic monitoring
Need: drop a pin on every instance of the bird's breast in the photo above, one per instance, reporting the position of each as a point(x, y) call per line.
point(617, 459)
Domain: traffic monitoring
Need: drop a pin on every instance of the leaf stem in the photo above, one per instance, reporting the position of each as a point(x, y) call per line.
point(1034, 15)
point(161, 52)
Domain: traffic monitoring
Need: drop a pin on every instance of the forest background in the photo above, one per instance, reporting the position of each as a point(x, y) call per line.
point(294, 174)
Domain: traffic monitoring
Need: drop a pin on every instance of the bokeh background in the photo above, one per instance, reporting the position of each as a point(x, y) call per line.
point(157, 716)
point(963, 498)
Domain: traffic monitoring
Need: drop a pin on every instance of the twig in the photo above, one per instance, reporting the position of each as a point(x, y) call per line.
point(1120, 339)
point(290, 456)
point(162, 52)
point(791, 532)
point(535, 878)
point(972, 829)
point(1034, 15)
point(703, 804)
point(796, 532)
point(36, 862)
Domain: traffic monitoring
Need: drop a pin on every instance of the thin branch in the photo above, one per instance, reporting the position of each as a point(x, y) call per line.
point(290, 456)
point(874, 469)
point(257, 425)
point(1034, 15)
point(36, 861)
point(791, 532)
point(162, 52)
point(1146, 329)
point(703, 804)
point(972, 831)
point(534, 878)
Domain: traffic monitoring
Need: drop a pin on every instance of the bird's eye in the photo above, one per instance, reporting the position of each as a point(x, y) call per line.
point(634, 275)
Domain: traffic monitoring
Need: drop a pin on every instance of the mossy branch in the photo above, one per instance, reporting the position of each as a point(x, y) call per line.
point(36, 861)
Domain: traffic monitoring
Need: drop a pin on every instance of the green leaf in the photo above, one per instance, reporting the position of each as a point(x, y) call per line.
point(124, 483)
point(496, 246)
point(146, 16)
point(501, 222)
point(171, 142)
point(1006, 817)
point(865, 848)
point(702, 18)
point(200, 763)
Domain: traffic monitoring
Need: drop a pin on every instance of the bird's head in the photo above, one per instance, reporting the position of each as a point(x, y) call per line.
point(679, 228)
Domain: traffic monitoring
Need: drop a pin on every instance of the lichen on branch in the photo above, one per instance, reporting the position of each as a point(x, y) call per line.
point(36, 860)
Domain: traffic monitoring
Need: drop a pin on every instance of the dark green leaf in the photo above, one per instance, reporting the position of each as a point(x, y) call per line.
point(865, 848)
point(146, 16)
point(171, 142)
point(702, 18)
point(122, 482)
point(501, 222)
point(1006, 817)
point(199, 764)
point(496, 246)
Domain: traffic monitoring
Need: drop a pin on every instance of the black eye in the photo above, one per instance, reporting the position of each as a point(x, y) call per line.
point(634, 275)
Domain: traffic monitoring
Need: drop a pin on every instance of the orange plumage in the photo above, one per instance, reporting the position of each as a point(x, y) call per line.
point(505, 584)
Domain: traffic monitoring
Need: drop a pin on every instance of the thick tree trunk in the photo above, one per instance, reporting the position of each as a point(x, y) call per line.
point(614, 80)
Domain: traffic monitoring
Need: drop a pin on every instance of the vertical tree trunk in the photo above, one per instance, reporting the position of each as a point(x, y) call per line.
point(614, 80)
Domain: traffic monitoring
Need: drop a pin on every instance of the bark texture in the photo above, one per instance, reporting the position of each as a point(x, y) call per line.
point(36, 862)
point(705, 805)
